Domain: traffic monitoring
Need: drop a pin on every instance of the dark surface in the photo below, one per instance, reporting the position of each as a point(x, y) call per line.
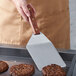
point(72, 69)
point(17, 56)
point(12, 60)
point(14, 52)
point(67, 55)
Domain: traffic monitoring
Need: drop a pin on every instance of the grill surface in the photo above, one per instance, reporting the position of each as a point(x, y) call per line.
point(19, 56)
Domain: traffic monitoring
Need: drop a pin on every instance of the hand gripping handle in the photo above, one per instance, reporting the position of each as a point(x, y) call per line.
point(32, 20)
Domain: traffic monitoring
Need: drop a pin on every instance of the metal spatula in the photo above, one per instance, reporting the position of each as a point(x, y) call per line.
point(40, 48)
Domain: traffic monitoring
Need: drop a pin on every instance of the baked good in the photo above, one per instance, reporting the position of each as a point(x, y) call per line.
point(22, 70)
point(3, 66)
point(53, 70)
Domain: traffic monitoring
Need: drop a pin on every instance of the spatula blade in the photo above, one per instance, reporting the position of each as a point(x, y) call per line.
point(43, 51)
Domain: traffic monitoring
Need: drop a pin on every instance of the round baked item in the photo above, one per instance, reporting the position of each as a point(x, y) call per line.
point(22, 70)
point(53, 70)
point(3, 66)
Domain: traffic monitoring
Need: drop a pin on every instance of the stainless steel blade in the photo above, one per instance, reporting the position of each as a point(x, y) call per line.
point(43, 51)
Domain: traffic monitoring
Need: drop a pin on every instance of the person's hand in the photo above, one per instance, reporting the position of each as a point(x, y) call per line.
point(21, 6)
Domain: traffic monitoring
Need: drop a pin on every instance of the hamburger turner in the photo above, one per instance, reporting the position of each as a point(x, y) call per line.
point(40, 48)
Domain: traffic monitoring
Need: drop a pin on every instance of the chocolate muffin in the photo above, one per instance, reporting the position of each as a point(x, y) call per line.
point(53, 70)
point(22, 70)
point(3, 66)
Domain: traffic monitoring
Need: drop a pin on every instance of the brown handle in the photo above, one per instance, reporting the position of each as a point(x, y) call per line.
point(32, 20)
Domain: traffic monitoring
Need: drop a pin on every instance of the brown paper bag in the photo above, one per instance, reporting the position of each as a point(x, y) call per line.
point(52, 17)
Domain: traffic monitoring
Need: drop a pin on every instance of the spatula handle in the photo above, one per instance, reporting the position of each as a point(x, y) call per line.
point(32, 20)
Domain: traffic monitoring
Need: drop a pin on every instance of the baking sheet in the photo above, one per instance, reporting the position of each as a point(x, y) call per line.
point(12, 60)
point(17, 56)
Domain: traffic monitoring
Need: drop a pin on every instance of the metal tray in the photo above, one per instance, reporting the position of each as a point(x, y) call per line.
point(72, 69)
point(15, 56)
point(12, 60)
